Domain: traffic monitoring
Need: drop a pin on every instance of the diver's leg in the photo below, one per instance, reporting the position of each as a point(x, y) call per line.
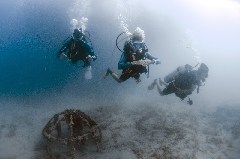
point(136, 76)
point(159, 89)
point(152, 85)
point(161, 82)
point(113, 74)
point(109, 71)
point(116, 77)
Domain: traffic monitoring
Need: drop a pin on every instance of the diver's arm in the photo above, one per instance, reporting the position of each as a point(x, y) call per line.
point(90, 51)
point(150, 57)
point(193, 88)
point(199, 84)
point(123, 64)
point(64, 48)
point(61, 52)
point(94, 57)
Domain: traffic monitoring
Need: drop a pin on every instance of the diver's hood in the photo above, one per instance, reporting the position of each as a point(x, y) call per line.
point(77, 33)
point(203, 68)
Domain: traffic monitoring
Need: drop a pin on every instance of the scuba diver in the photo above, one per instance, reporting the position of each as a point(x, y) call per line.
point(78, 47)
point(134, 59)
point(182, 81)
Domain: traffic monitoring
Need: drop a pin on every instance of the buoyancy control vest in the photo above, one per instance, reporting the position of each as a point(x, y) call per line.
point(177, 72)
point(77, 50)
point(77, 42)
point(135, 50)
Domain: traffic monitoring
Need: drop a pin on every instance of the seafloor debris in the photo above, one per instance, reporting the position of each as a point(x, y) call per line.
point(72, 128)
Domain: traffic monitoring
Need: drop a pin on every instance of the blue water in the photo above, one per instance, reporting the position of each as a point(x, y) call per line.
point(29, 42)
point(32, 32)
point(35, 84)
point(30, 38)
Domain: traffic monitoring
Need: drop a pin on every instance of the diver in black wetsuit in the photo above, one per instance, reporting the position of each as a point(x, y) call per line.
point(134, 59)
point(182, 82)
point(78, 48)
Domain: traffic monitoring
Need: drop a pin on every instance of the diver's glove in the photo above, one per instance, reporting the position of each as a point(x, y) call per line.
point(157, 61)
point(89, 58)
point(94, 57)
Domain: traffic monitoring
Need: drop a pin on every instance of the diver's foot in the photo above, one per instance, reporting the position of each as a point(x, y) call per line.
point(161, 82)
point(190, 102)
point(151, 86)
point(109, 71)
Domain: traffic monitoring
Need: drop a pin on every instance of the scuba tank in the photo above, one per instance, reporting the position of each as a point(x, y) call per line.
point(177, 72)
point(88, 73)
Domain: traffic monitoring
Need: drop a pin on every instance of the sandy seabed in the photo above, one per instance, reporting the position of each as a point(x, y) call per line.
point(141, 130)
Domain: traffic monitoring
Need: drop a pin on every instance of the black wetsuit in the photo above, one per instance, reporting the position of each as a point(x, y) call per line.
point(183, 85)
point(78, 49)
point(133, 51)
